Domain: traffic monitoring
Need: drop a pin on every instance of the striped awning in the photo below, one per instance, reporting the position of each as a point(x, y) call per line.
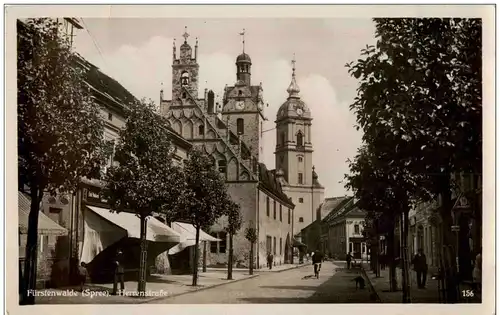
point(46, 225)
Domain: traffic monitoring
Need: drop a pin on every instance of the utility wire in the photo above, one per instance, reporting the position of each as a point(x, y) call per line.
point(95, 42)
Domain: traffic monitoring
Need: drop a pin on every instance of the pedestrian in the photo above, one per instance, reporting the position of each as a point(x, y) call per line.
point(419, 263)
point(270, 259)
point(82, 275)
point(477, 271)
point(119, 273)
point(317, 259)
point(348, 259)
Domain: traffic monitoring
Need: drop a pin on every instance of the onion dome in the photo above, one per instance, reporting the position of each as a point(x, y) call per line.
point(294, 106)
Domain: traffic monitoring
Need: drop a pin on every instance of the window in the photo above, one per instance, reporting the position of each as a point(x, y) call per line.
point(211, 102)
point(185, 78)
point(184, 95)
point(301, 200)
point(356, 229)
point(110, 116)
point(281, 246)
point(274, 209)
point(268, 211)
point(300, 142)
point(301, 179)
point(350, 247)
point(213, 245)
point(281, 213)
point(300, 159)
point(201, 130)
point(240, 93)
point(282, 135)
point(222, 243)
point(301, 219)
point(222, 166)
point(240, 126)
point(274, 245)
point(269, 243)
point(289, 216)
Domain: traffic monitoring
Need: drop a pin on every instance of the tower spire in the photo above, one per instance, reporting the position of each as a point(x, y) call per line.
point(186, 34)
point(293, 89)
point(243, 39)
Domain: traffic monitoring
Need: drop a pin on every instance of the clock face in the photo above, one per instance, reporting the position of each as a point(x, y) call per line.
point(240, 105)
point(300, 111)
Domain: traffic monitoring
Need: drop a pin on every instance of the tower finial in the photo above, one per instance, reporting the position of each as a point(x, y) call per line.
point(186, 34)
point(293, 89)
point(243, 39)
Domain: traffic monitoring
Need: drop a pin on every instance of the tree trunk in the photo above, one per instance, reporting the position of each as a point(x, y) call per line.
point(448, 240)
point(205, 256)
point(251, 257)
point(230, 259)
point(31, 258)
point(390, 259)
point(196, 255)
point(404, 254)
point(141, 286)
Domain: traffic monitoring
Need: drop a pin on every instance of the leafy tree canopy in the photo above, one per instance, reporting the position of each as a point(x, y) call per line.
point(145, 177)
point(60, 131)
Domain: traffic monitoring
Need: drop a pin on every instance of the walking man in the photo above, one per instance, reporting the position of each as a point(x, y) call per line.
point(348, 259)
point(420, 266)
point(119, 273)
point(317, 259)
point(270, 260)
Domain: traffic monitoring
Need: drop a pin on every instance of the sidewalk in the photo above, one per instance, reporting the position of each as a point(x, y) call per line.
point(257, 271)
point(157, 287)
point(381, 286)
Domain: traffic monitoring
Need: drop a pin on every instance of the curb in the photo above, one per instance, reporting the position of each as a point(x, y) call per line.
point(370, 285)
point(192, 291)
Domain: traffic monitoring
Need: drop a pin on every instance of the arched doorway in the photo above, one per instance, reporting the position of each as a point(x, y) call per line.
point(288, 247)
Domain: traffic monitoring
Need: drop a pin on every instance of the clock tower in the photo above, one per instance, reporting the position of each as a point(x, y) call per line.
point(294, 153)
point(243, 105)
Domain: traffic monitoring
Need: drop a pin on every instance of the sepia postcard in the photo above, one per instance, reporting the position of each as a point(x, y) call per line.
point(334, 156)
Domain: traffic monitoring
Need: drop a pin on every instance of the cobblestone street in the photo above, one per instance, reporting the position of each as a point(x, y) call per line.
point(334, 286)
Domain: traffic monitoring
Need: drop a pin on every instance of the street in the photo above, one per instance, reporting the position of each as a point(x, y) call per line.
point(333, 286)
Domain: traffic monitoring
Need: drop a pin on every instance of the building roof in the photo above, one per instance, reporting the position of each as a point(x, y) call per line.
point(243, 57)
point(269, 182)
point(46, 225)
point(347, 207)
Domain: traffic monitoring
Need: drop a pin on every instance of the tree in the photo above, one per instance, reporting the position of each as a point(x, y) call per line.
point(60, 131)
point(422, 85)
point(203, 200)
point(146, 178)
point(234, 225)
point(252, 237)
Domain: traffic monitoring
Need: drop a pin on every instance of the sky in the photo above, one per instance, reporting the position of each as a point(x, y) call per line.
point(137, 52)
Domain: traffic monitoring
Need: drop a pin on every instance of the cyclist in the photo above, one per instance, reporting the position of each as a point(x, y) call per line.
point(317, 259)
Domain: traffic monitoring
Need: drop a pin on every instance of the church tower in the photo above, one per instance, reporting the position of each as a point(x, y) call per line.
point(185, 71)
point(294, 153)
point(243, 105)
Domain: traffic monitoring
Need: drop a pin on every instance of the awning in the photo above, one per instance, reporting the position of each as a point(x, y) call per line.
point(298, 243)
point(189, 233)
point(156, 230)
point(46, 225)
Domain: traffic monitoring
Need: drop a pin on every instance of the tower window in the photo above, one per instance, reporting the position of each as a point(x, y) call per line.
point(289, 216)
point(240, 126)
point(222, 166)
point(201, 130)
point(211, 102)
point(301, 179)
point(300, 159)
point(274, 211)
point(110, 116)
point(301, 219)
point(281, 213)
point(301, 200)
point(282, 135)
point(185, 78)
point(183, 94)
point(240, 93)
point(300, 140)
point(267, 207)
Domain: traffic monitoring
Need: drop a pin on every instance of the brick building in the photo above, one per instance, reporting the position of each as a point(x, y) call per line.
point(230, 131)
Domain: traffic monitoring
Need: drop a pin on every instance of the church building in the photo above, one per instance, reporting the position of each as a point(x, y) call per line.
point(294, 152)
point(230, 131)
